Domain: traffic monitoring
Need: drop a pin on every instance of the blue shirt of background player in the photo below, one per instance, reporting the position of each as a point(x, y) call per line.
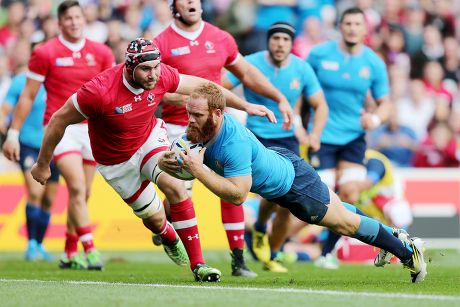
point(235, 152)
point(295, 78)
point(345, 80)
point(31, 133)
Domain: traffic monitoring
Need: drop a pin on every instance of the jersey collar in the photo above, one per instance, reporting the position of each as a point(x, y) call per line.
point(75, 47)
point(188, 35)
point(135, 91)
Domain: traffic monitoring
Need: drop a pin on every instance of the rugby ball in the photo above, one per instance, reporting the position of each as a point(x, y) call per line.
point(178, 146)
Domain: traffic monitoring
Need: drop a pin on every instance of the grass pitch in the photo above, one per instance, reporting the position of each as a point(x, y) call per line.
point(151, 279)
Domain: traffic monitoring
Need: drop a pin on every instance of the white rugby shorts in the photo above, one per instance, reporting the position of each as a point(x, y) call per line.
point(75, 141)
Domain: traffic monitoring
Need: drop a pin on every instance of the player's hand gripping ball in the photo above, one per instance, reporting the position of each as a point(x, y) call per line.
point(179, 145)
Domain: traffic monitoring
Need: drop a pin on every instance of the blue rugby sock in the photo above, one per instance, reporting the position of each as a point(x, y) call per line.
point(373, 233)
point(32, 215)
point(42, 224)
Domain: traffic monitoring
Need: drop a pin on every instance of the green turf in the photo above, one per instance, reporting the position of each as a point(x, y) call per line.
point(150, 279)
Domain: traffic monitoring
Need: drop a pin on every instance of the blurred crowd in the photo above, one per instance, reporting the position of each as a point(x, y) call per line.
point(418, 40)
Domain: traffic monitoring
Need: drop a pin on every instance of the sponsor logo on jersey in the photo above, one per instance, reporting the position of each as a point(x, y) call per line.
point(67, 61)
point(209, 47)
point(295, 84)
point(194, 43)
point(90, 59)
point(180, 51)
point(330, 65)
point(137, 98)
point(124, 109)
point(365, 73)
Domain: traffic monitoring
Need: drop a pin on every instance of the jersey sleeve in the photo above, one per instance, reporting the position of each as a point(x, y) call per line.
point(311, 82)
point(87, 100)
point(232, 49)
point(237, 160)
point(170, 78)
point(380, 87)
point(38, 65)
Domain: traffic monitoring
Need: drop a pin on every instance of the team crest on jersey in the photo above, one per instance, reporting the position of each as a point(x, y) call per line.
point(209, 47)
point(67, 61)
point(124, 109)
point(151, 99)
point(90, 59)
point(364, 73)
point(180, 51)
point(295, 84)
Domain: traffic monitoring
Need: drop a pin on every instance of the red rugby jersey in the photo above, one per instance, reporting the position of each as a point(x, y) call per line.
point(120, 117)
point(63, 67)
point(202, 53)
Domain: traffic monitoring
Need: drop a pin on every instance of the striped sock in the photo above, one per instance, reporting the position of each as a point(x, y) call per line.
point(233, 221)
point(184, 221)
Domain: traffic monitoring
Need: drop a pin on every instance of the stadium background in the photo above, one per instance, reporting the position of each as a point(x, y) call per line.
point(434, 194)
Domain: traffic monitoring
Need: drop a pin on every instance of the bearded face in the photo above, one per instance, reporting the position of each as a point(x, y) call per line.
point(196, 134)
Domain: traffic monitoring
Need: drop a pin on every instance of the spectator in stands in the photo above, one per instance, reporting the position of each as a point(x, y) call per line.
point(431, 50)
point(439, 149)
point(394, 141)
point(433, 76)
point(311, 35)
point(9, 34)
point(416, 110)
point(413, 29)
point(441, 16)
point(451, 59)
point(95, 30)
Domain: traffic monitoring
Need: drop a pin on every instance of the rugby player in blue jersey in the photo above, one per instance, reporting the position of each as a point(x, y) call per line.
point(241, 164)
point(294, 78)
point(39, 198)
point(347, 71)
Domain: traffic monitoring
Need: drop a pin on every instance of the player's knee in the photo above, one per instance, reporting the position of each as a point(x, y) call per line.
point(76, 190)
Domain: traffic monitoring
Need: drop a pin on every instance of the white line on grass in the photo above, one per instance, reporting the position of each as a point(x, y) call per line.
point(276, 290)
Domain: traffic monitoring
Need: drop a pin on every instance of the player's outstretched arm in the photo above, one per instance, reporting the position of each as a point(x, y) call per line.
point(253, 79)
point(21, 111)
point(65, 116)
point(188, 83)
